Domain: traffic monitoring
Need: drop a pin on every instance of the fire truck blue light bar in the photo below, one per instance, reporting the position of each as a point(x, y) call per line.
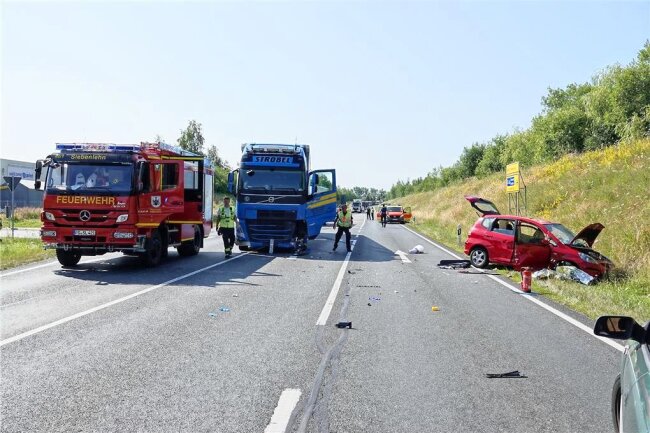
point(97, 147)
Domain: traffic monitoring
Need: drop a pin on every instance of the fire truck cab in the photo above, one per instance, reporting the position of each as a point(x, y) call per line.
point(137, 199)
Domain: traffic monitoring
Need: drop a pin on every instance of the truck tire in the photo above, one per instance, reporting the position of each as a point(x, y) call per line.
point(191, 248)
point(153, 254)
point(68, 258)
point(243, 248)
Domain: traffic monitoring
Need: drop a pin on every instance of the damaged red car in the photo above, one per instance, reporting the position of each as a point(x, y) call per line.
point(521, 242)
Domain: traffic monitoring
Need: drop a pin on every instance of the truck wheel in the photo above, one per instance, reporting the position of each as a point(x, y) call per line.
point(191, 248)
point(153, 255)
point(479, 257)
point(243, 248)
point(67, 258)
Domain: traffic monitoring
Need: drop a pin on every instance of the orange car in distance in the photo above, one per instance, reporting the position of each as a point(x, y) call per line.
point(396, 214)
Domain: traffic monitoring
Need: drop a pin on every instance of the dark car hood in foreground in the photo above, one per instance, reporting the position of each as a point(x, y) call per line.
point(589, 234)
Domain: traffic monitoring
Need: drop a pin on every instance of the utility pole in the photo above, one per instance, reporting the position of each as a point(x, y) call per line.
point(12, 183)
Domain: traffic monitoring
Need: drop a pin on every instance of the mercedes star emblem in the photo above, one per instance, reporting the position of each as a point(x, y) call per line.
point(84, 215)
point(271, 199)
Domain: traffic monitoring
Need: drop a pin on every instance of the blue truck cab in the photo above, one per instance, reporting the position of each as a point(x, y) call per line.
point(278, 198)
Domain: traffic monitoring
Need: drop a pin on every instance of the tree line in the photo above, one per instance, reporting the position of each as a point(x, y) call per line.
point(613, 107)
point(192, 140)
point(360, 192)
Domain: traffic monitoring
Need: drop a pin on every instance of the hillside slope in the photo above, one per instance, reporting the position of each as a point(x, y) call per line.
point(609, 186)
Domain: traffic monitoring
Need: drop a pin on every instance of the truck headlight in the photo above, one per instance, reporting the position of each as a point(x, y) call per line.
point(48, 233)
point(49, 216)
point(122, 218)
point(587, 258)
point(123, 235)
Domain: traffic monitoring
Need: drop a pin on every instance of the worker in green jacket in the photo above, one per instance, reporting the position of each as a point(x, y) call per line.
point(343, 222)
point(226, 225)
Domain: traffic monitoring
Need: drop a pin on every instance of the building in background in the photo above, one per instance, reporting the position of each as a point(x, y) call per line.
point(25, 195)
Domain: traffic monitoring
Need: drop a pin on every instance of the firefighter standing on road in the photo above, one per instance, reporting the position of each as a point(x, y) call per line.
point(368, 213)
point(343, 222)
point(226, 225)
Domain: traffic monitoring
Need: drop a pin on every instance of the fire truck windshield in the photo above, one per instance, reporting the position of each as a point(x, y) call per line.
point(266, 180)
point(113, 178)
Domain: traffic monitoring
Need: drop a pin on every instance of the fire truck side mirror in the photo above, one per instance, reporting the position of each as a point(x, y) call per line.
point(37, 174)
point(141, 172)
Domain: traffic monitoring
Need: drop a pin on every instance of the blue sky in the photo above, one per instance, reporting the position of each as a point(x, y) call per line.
point(381, 90)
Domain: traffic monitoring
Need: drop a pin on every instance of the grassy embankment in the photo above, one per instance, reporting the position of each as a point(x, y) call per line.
point(609, 186)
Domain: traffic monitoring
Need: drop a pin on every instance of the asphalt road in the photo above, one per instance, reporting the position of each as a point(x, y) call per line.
point(249, 345)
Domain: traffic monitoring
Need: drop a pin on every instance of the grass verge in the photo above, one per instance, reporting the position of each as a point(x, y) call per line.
point(20, 251)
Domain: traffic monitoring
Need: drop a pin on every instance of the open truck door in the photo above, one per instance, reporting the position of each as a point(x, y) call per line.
point(532, 249)
point(321, 204)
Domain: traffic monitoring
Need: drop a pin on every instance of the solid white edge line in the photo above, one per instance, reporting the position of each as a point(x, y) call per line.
point(547, 307)
point(55, 262)
point(282, 413)
point(327, 308)
point(45, 265)
point(108, 304)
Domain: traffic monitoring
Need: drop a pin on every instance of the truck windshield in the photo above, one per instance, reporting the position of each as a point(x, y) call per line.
point(267, 180)
point(115, 178)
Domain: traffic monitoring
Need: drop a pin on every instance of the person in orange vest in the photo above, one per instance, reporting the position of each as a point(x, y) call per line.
point(343, 222)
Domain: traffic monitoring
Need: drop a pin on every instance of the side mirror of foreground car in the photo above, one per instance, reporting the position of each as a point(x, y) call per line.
point(618, 327)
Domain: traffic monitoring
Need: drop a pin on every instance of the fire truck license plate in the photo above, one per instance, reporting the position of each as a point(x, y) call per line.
point(84, 232)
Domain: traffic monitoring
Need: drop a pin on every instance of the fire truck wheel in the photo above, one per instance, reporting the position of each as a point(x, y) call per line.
point(68, 258)
point(191, 248)
point(154, 250)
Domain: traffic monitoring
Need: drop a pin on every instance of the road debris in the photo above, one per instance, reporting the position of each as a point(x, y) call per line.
point(344, 325)
point(461, 271)
point(434, 308)
point(224, 309)
point(418, 249)
point(454, 264)
point(565, 273)
point(509, 375)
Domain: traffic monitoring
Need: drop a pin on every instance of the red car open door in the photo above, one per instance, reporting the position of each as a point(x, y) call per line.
point(532, 249)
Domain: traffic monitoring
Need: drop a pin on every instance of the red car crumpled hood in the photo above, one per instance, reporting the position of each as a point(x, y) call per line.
point(589, 234)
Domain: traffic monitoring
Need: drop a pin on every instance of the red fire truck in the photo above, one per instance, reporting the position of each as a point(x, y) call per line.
point(137, 199)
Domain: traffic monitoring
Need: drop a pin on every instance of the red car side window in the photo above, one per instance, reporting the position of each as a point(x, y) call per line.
point(487, 223)
point(529, 234)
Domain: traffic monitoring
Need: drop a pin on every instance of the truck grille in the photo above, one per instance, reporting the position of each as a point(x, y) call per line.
point(71, 216)
point(265, 230)
point(285, 215)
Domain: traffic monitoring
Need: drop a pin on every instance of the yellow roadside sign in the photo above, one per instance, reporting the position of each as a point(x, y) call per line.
point(512, 177)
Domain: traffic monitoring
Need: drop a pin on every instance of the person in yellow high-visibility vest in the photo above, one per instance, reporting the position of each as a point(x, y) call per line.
point(343, 222)
point(226, 225)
